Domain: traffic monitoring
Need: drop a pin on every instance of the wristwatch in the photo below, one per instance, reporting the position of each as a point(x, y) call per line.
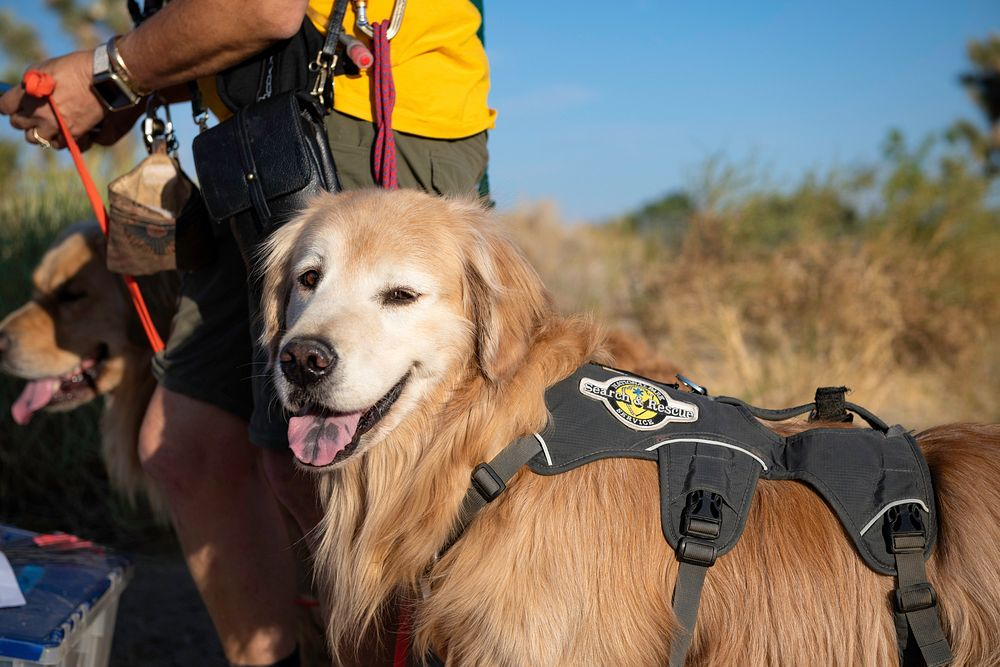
point(111, 81)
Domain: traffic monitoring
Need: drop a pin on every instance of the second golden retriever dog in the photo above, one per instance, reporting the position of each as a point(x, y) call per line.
point(412, 342)
point(77, 338)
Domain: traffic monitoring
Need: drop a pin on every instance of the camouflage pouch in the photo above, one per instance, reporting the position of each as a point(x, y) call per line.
point(145, 204)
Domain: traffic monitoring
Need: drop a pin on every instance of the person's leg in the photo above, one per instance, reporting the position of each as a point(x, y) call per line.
point(194, 444)
point(229, 526)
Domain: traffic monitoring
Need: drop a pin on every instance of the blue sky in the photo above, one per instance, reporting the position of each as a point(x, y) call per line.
point(603, 111)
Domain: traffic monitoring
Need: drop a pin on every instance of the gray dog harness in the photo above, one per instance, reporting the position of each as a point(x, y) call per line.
point(711, 451)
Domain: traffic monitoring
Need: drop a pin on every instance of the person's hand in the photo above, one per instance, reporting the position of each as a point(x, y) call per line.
point(79, 106)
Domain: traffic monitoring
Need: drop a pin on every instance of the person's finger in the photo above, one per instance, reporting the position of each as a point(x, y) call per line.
point(46, 128)
point(19, 122)
point(10, 100)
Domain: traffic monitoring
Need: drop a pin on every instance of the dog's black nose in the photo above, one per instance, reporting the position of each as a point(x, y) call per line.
point(306, 360)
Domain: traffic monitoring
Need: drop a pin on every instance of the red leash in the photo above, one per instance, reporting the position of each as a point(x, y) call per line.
point(41, 85)
point(385, 101)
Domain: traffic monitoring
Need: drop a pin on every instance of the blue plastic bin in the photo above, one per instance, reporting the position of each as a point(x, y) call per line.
point(72, 601)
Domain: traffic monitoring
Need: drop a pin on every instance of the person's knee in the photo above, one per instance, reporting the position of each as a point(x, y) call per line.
point(182, 441)
point(166, 456)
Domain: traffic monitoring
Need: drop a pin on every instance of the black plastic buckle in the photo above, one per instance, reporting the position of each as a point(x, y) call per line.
point(914, 598)
point(487, 482)
point(905, 532)
point(702, 515)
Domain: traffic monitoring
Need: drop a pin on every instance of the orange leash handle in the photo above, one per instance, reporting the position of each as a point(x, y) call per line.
point(41, 85)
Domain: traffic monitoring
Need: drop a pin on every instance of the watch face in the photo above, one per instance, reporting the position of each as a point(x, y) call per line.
point(112, 92)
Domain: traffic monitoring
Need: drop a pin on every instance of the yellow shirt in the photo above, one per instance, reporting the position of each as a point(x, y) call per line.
point(439, 67)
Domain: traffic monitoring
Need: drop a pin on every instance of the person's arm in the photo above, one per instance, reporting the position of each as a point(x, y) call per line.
point(184, 40)
point(188, 39)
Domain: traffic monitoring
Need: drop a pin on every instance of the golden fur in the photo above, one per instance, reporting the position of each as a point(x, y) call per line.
point(573, 569)
point(77, 309)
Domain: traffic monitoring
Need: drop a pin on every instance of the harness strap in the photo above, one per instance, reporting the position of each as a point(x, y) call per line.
point(687, 598)
point(489, 480)
point(701, 525)
point(919, 635)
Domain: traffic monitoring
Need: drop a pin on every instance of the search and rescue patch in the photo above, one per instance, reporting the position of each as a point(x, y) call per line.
point(640, 405)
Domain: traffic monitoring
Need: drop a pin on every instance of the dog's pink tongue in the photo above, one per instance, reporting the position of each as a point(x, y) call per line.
point(318, 440)
point(36, 395)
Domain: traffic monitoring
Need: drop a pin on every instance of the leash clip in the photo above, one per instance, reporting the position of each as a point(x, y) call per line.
point(157, 132)
point(322, 66)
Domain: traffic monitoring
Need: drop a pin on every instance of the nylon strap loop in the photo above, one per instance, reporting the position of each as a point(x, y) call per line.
point(41, 85)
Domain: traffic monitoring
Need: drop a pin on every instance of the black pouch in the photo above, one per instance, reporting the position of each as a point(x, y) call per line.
point(264, 164)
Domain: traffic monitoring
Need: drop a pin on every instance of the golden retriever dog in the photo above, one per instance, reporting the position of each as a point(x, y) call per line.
point(78, 338)
point(411, 342)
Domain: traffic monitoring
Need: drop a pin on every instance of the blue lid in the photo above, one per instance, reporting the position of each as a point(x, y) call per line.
point(59, 587)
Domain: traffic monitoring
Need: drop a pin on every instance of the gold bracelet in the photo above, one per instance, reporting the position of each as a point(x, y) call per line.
point(118, 64)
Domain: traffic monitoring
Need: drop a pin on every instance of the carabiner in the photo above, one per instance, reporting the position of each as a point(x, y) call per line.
point(155, 130)
point(361, 17)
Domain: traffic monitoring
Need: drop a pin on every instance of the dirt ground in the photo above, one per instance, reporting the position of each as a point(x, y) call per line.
point(161, 620)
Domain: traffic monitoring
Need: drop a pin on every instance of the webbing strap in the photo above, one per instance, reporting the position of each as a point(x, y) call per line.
point(687, 598)
point(489, 480)
point(917, 615)
point(915, 603)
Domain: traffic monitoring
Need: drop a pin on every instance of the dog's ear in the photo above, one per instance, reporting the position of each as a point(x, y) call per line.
point(272, 267)
point(506, 302)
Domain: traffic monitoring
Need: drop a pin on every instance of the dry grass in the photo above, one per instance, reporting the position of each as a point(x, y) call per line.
point(908, 329)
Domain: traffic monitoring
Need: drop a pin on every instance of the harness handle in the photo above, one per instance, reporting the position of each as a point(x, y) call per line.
point(781, 415)
point(41, 85)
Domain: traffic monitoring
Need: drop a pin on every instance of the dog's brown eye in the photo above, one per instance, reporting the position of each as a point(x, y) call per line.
point(399, 296)
point(309, 279)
